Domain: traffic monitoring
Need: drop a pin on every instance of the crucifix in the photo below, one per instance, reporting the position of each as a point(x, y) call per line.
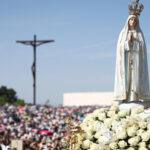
point(34, 44)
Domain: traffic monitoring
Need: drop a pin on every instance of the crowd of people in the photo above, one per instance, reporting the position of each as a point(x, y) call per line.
point(38, 127)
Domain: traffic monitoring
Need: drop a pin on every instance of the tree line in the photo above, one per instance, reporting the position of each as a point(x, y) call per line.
point(9, 96)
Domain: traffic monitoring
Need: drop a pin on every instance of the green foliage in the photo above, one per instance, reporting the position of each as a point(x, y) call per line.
point(2, 100)
point(20, 102)
point(9, 96)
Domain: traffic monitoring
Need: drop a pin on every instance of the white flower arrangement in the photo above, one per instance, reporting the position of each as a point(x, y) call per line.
point(116, 129)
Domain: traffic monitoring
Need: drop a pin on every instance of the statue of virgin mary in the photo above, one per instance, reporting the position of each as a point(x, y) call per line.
point(131, 77)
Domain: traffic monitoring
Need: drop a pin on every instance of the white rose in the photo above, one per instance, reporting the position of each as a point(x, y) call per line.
point(142, 144)
point(115, 117)
point(137, 110)
point(142, 148)
point(102, 116)
point(131, 148)
point(145, 136)
point(115, 137)
point(90, 128)
point(113, 145)
point(97, 135)
point(110, 113)
point(132, 131)
point(83, 125)
point(103, 140)
point(134, 141)
point(123, 113)
point(148, 131)
point(140, 131)
point(142, 124)
point(140, 109)
point(108, 122)
point(89, 136)
point(106, 147)
point(100, 140)
point(134, 111)
point(94, 147)
point(122, 144)
point(122, 134)
point(85, 128)
point(86, 144)
point(96, 125)
point(114, 108)
point(114, 124)
point(130, 121)
point(148, 126)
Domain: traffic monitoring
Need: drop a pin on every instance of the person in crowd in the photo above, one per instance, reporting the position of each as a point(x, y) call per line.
point(38, 127)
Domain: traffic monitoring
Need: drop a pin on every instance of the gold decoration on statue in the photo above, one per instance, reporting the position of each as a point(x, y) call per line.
point(72, 138)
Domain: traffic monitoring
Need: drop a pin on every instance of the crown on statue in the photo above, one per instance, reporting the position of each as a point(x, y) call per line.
point(136, 8)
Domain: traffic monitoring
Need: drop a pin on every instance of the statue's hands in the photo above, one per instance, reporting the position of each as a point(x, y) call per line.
point(131, 38)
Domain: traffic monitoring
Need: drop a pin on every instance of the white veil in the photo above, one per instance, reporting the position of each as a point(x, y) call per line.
point(120, 90)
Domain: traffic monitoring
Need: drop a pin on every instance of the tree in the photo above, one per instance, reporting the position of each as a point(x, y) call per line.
point(8, 96)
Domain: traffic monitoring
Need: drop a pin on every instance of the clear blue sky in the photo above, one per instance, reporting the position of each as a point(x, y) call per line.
point(83, 57)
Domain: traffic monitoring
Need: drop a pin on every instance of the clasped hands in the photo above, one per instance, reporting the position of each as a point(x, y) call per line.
point(131, 38)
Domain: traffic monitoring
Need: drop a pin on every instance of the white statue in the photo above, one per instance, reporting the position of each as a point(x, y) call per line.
point(131, 78)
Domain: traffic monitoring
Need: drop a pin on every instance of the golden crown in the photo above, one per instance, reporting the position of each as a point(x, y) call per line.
point(136, 8)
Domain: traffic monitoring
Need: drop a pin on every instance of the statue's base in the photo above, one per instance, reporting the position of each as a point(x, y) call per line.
point(131, 105)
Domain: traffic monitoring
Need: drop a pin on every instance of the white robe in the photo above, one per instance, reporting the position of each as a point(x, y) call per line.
point(131, 84)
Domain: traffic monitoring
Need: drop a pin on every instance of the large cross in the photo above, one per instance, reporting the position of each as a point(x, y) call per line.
point(34, 44)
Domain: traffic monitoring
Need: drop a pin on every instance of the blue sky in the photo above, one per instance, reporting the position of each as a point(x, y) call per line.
point(83, 57)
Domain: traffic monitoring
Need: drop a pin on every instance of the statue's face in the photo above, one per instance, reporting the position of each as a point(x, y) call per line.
point(132, 23)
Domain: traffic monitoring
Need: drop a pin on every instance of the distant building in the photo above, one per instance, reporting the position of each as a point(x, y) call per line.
point(89, 98)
